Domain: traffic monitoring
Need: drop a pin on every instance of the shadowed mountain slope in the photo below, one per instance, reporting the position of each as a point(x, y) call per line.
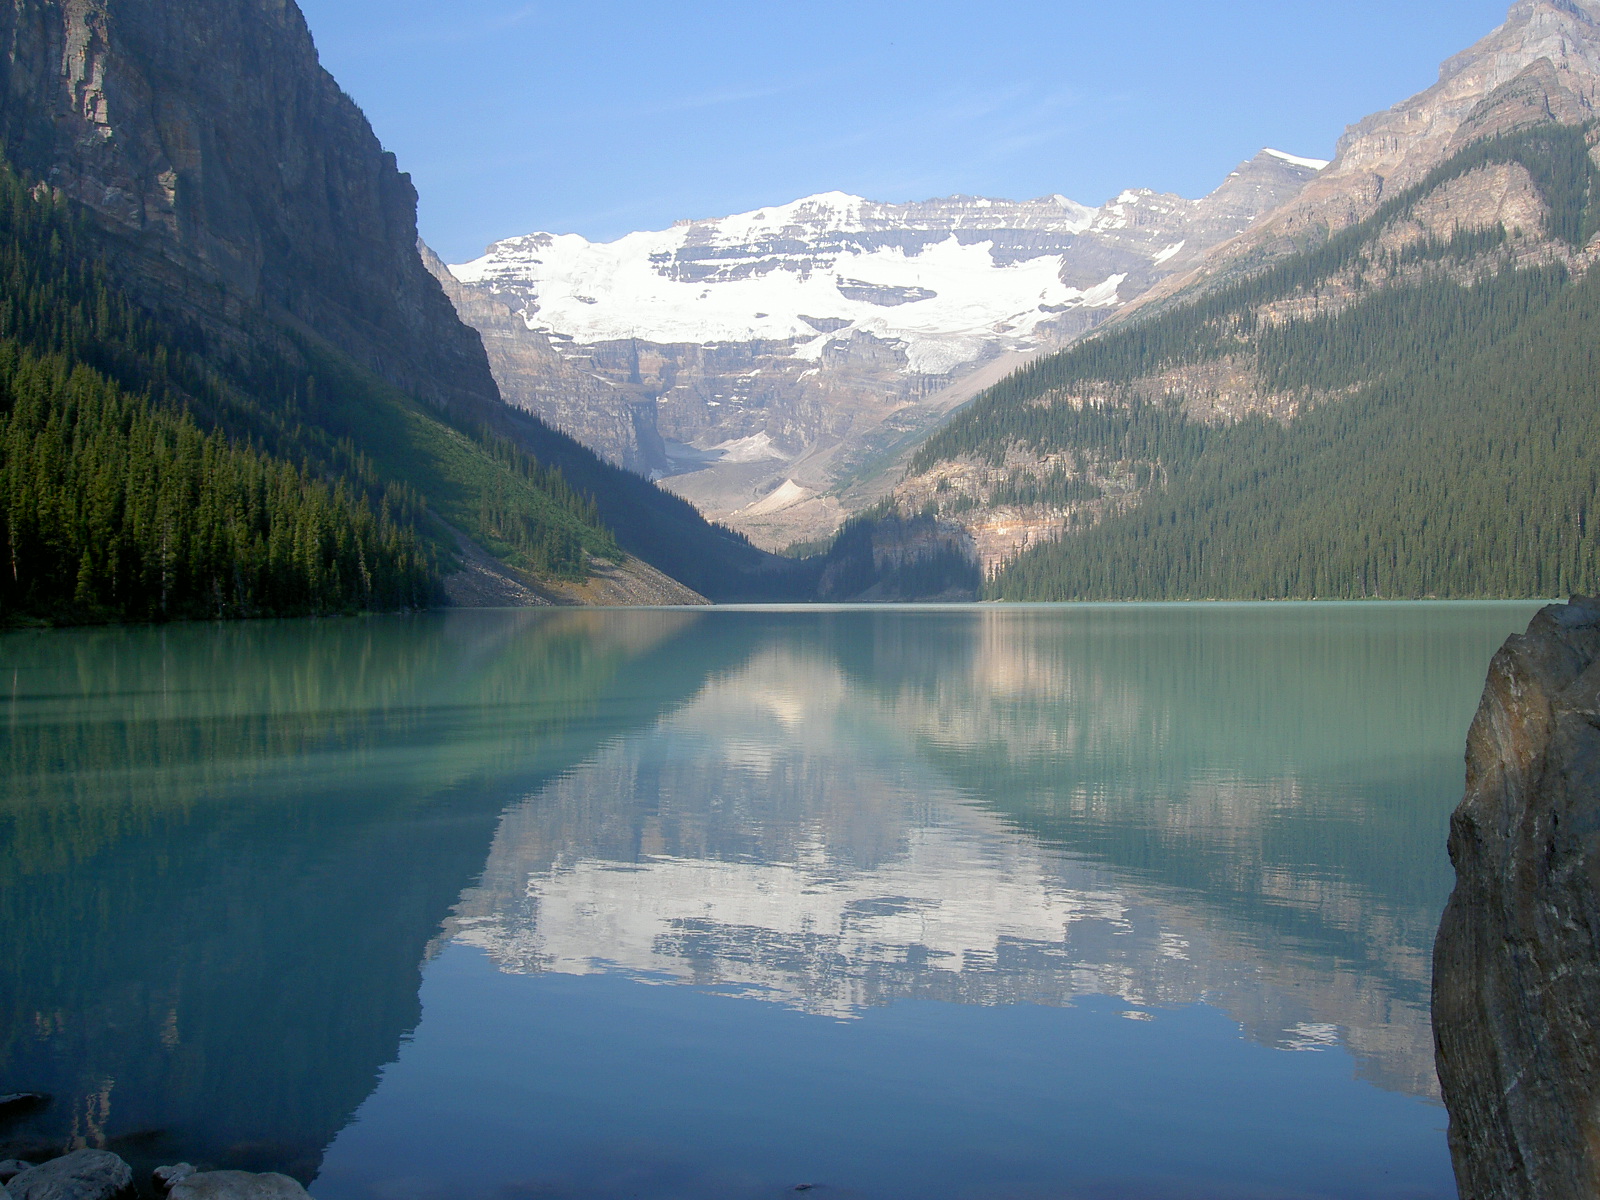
point(240, 198)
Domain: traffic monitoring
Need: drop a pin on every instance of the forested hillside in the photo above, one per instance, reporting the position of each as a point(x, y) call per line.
point(225, 237)
point(140, 479)
point(1421, 400)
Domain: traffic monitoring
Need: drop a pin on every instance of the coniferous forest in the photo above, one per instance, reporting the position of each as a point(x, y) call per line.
point(1456, 459)
point(140, 480)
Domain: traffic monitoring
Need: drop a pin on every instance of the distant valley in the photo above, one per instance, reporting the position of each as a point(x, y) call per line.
point(762, 364)
point(233, 383)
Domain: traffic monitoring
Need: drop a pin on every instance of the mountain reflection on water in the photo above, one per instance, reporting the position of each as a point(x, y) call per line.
point(255, 838)
point(225, 851)
point(1239, 806)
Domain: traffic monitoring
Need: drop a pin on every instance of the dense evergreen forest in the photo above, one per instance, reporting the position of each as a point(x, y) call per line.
point(143, 477)
point(1459, 459)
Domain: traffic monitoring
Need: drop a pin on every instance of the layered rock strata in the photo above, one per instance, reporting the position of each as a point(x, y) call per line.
point(234, 177)
point(1516, 991)
point(758, 361)
point(1542, 64)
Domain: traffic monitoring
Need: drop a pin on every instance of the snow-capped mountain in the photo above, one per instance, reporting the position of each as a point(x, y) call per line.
point(756, 360)
point(943, 279)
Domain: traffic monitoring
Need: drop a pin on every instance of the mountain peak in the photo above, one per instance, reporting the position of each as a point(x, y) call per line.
point(1542, 64)
point(1524, 11)
point(1315, 164)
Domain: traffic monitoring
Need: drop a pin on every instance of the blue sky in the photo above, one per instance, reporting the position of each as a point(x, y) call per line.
point(604, 116)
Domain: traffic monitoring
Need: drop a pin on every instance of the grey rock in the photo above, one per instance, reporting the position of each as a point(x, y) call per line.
point(238, 1185)
point(237, 182)
point(12, 1167)
point(671, 408)
point(1542, 64)
point(1516, 991)
point(81, 1175)
point(164, 1179)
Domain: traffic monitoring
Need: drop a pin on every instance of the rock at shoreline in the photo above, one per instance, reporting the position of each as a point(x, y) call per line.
point(16, 1104)
point(1516, 984)
point(164, 1179)
point(13, 1167)
point(237, 1185)
point(81, 1175)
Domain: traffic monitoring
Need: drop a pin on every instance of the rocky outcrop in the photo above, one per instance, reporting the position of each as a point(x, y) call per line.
point(239, 185)
point(81, 1175)
point(164, 1179)
point(101, 1175)
point(1542, 64)
point(237, 1185)
point(1516, 991)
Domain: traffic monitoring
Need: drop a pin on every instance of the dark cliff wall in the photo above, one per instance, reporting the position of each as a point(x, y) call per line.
point(1516, 1000)
point(238, 183)
point(239, 190)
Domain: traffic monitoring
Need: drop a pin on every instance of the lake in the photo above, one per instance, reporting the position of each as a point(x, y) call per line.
point(1084, 901)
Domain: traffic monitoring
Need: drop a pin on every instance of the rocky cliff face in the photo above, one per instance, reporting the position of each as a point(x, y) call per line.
point(758, 360)
point(1542, 64)
point(1516, 1000)
point(239, 185)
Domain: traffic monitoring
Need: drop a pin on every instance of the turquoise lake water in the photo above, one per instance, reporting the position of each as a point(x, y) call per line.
point(1100, 901)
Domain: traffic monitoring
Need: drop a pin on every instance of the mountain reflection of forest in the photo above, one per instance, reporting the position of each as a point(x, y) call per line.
point(1166, 805)
point(253, 836)
point(248, 836)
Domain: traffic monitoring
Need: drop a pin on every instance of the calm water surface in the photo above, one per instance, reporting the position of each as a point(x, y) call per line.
point(1021, 902)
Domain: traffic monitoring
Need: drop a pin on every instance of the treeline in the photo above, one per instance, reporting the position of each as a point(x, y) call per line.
point(1020, 489)
point(111, 509)
point(1443, 445)
point(538, 518)
point(1223, 321)
point(891, 556)
point(286, 443)
point(1465, 469)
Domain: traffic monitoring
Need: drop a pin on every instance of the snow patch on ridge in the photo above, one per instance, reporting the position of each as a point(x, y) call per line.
point(1315, 164)
point(945, 299)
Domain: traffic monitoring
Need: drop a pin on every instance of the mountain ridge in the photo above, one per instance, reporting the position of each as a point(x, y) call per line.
point(1092, 450)
point(1388, 151)
point(774, 353)
point(239, 196)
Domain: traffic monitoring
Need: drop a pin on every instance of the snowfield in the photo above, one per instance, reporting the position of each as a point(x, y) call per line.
point(806, 273)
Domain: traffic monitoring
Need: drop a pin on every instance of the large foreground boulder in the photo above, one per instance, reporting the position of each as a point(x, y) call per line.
point(1516, 985)
point(237, 1185)
point(81, 1175)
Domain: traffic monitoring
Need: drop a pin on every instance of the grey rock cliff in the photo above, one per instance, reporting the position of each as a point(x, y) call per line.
point(1542, 64)
point(237, 183)
point(1516, 999)
point(756, 414)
